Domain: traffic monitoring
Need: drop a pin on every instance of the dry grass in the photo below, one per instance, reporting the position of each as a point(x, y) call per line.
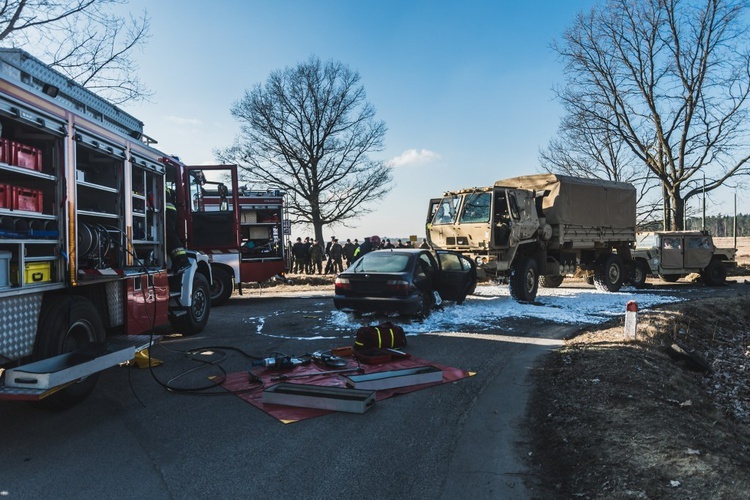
point(616, 417)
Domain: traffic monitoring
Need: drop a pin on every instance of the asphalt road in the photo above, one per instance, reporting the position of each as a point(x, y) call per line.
point(132, 438)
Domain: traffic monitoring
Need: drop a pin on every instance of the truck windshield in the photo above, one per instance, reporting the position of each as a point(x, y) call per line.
point(476, 208)
point(646, 240)
point(447, 210)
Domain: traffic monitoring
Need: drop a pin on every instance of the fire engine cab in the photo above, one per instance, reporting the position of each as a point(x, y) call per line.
point(84, 269)
point(238, 228)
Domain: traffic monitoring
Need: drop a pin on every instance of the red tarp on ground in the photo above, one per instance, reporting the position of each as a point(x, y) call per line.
point(252, 392)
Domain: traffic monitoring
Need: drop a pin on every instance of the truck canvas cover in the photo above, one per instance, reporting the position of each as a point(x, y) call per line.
point(574, 201)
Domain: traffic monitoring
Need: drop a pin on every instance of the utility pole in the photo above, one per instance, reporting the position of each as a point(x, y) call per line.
point(703, 223)
point(734, 222)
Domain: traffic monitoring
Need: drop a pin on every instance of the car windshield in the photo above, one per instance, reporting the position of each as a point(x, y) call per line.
point(381, 262)
point(647, 240)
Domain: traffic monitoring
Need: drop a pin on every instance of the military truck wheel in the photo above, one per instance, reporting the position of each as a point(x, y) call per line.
point(715, 274)
point(640, 271)
point(222, 286)
point(197, 314)
point(608, 273)
point(524, 279)
point(68, 323)
point(669, 278)
point(551, 280)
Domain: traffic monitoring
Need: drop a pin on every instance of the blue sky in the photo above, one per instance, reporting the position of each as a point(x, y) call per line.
point(465, 88)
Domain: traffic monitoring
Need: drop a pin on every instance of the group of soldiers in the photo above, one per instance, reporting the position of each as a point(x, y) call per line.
point(308, 255)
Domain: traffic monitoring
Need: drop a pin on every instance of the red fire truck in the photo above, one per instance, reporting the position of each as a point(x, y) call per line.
point(240, 229)
point(84, 268)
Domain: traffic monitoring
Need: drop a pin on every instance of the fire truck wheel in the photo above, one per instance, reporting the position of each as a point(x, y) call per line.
point(197, 314)
point(222, 286)
point(68, 323)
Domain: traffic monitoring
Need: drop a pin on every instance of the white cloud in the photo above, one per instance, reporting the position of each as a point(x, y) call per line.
point(178, 120)
point(414, 157)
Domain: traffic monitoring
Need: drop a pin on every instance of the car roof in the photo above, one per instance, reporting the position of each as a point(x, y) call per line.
point(402, 250)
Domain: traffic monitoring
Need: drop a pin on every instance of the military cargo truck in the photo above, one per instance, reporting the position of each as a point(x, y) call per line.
point(534, 230)
point(672, 255)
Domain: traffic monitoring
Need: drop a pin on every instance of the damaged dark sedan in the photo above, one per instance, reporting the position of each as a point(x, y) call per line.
point(406, 281)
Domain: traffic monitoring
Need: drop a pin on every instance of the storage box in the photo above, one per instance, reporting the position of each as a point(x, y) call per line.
point(322, 398)
point(53, 372)
point(4, 268)
point(27, 199)
point(34, 273)
point(25, 156)
point(6, 196)
point(4, 151)
point(395, 378)
point(248, 217)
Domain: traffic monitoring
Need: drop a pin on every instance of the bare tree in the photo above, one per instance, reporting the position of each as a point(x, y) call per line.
point(669, 79)
point(309, 131)
point(83, 39)
point(600, 154)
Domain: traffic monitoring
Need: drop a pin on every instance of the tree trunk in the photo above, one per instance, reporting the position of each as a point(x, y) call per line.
point(667, 212)
point(317, 225)
point(678, 205)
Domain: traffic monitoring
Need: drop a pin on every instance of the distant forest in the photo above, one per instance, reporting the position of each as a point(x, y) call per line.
point(717, 225)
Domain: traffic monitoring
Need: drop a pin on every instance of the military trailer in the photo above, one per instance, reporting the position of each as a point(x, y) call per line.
point(672, 255)
point(535, 230)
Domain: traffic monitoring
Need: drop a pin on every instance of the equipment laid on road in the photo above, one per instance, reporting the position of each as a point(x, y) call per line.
point(247, 388)
point(319, 397)
point(395, 378)
point(329, 359)
point(83, 250)
point(315, 374)
point(380, 336)
point(280, 362)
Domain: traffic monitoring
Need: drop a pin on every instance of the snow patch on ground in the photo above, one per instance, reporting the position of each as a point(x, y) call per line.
point(490, 308)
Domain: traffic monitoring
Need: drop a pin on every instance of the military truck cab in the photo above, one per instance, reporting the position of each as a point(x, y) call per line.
point(672, 255)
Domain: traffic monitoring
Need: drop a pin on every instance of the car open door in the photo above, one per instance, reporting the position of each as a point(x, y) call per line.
point(458, 276)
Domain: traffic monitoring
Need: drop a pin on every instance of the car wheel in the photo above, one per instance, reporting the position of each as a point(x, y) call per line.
point(670, 278)
point(551, 280)
point(640, 271)
point(715, 273)
point(428, 302)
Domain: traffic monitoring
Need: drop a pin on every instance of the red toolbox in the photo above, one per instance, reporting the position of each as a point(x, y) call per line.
point(5, 196)
point(27, 199)
point(25, 156)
